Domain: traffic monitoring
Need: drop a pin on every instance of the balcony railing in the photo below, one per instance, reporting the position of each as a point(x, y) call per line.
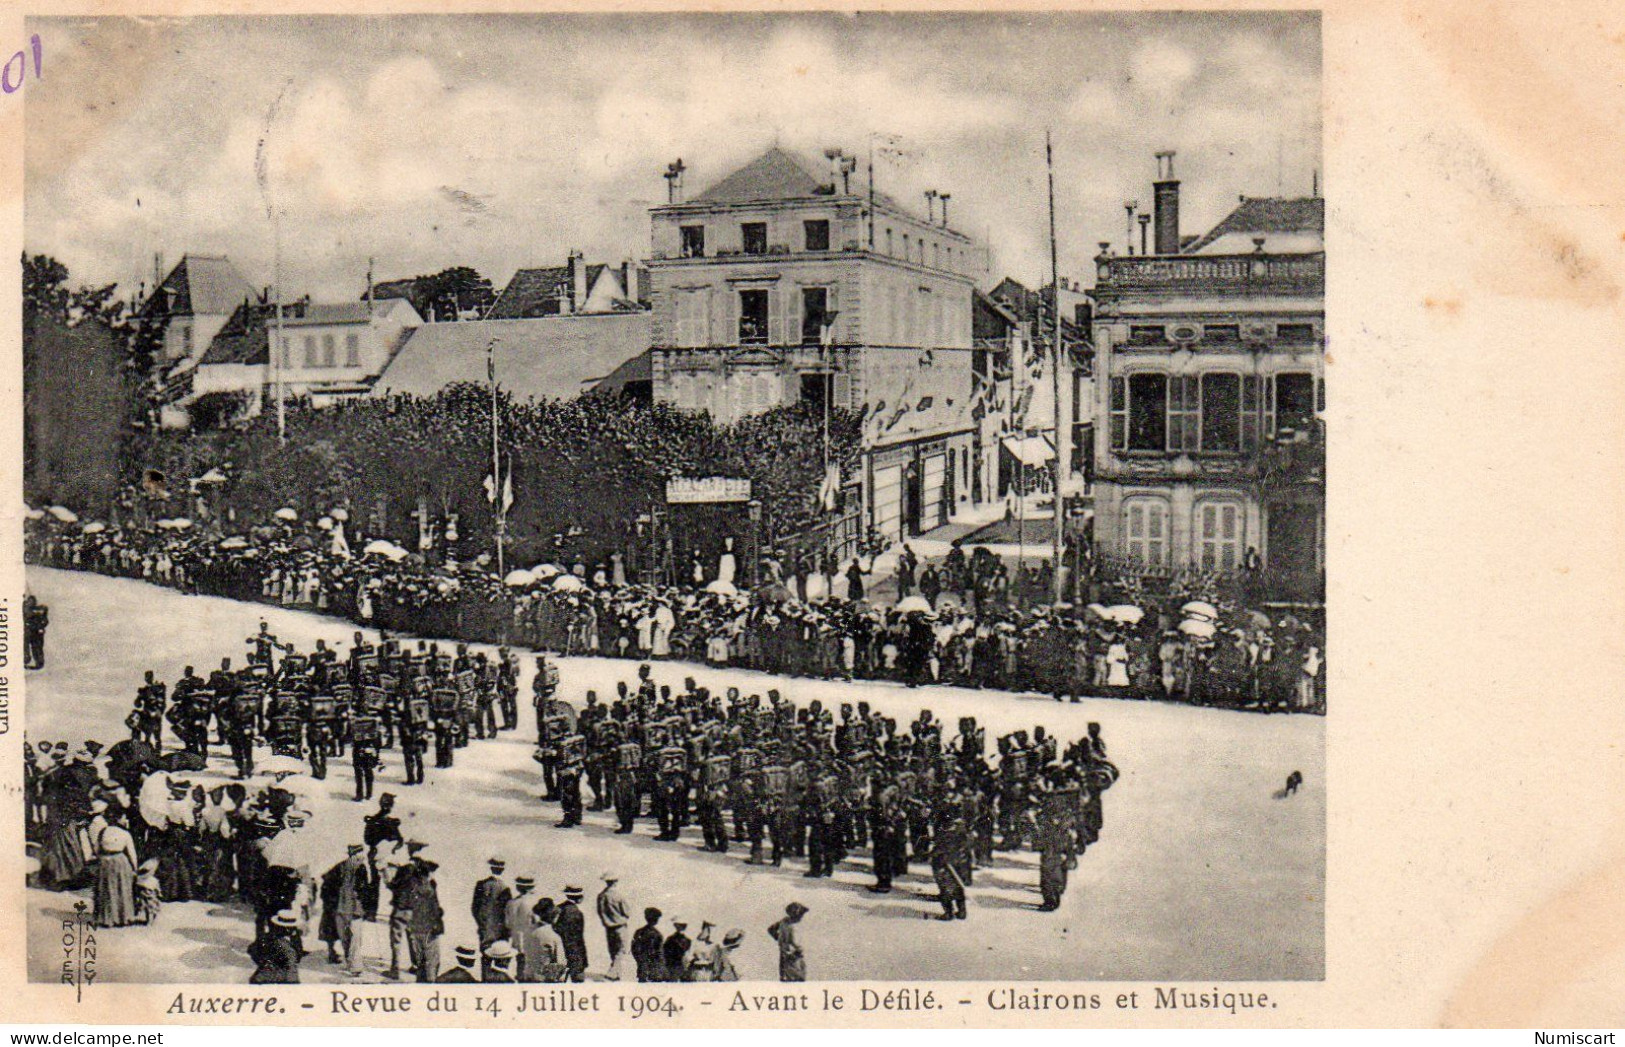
point(1211, 274)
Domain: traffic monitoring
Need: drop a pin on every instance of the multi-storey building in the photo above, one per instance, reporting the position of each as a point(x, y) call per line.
point(780, 285)
point(1209, 359)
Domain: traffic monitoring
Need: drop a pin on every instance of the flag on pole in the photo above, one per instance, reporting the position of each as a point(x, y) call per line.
point(829, 492)
point(507, 491)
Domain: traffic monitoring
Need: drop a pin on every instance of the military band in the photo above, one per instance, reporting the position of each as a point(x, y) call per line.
point(784, 782)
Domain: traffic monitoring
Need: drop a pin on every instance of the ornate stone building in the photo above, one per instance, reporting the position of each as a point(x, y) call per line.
point(1210, 355)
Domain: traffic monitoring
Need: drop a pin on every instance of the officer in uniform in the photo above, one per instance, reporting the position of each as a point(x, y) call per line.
point(1055, 843)
point(414, 737)
point(950, 855)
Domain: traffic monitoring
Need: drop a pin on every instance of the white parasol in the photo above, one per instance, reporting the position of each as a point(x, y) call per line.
point(213, 476)
point(568, 583)
point(287, 514)
point(388, 550)
point(545, 571)
point(519, 578)
point(340, 513)
point(234, 542)
point(95, 527)
point(63, 513)
point(914, 605)
point(1200, 609)
point(722, 588)
point(1125, 614)
point(324, 523)
point(1198, 628)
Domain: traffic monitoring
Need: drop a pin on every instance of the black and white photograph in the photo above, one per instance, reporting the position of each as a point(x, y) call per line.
point(676, 497)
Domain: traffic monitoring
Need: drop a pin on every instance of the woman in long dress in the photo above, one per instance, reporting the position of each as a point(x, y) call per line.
point(115, 875)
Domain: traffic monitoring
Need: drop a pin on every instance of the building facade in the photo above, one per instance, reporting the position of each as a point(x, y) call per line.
point(782, 284)
point(1210, 382)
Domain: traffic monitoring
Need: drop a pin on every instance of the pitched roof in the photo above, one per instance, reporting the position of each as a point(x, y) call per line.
point(199, 285)
point(539, 358)
point(775, 175)
point(532, 292)
point(329, 313)
point(243, 338)
point(638, 369)
point(1257, 215)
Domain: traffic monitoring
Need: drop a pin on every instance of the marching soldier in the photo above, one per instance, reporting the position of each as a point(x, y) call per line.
point(415, 737)
point(569, 780)
point(364, 756)
point(628, 799)
point(1056, 845)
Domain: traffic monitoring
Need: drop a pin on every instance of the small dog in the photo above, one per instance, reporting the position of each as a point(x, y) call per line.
point(1293, 780)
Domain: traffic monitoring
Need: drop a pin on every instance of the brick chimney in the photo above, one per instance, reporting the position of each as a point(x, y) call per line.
point(578, 283)
point(1166, 208)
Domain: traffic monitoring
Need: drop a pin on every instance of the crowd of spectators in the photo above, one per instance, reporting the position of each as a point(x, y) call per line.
point(955, 624)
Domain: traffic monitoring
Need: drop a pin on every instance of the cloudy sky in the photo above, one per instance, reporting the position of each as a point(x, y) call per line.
point(505, 141)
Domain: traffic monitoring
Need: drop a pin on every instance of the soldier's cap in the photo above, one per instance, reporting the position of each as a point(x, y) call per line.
point(573, 892)
point(733, 937)
point(466, 955)
point(795, 909)
point(415, 845)
point(679, 924)
point(524, 883)
point(496, 864)
point(609, 877)
point(356, 848)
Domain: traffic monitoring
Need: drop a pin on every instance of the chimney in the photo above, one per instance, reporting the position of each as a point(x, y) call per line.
point(629, 279)
point(578, 283)
point(1166, 209)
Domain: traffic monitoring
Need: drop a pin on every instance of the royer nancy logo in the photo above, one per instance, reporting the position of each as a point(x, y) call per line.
point(78, 950)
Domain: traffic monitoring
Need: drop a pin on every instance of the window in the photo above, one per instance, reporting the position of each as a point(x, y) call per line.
point(1293, 403)
point(1147, 412)
point(310, 350)
point(1153, 335)
point(1119, 413)
point(814, 309)
point(1295, 332)
point(329, 350)
point(753, 317)
point(754, 237)
point(817, 234)
point(1221, 411)
point(1184, 418)
point(1145, 530)
point(693, 321)
point(1218, 536)
point(352, 350)
point(693, 241)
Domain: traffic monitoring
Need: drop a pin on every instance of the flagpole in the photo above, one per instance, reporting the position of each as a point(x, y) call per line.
point(1059, 536)
point(497, 490)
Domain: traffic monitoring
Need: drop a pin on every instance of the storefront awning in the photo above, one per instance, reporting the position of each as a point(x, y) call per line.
point(1030, 450)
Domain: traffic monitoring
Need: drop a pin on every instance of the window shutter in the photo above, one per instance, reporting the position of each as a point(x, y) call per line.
point(1119, 413)
point(1249, 413)
point(777, 311)
point(843, 390)
point(1320, 394)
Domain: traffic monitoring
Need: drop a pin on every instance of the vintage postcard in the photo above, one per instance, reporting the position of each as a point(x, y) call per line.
point(833, 518)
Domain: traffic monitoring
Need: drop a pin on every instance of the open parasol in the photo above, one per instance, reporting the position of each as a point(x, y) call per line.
point(722, 588)
point(913, 605)
point(286, 514)
point(568, 583)
point(1198, 628)
point(63, 513)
